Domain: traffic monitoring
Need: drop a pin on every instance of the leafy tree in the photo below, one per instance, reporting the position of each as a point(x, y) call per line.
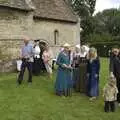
point(84, 9)
point(109, 20)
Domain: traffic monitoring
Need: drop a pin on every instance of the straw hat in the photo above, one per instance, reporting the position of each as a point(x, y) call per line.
point(66, 45)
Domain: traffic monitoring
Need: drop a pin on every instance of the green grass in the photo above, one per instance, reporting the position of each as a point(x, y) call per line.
point(38, 102)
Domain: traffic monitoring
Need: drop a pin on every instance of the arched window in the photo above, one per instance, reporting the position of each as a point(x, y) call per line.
point(56, 36)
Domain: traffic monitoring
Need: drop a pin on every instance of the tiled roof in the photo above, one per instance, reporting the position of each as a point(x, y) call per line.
point(54, 9)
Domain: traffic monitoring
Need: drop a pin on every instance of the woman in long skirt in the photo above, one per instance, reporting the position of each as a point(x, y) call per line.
point(93, 68)
point(83, 70)
point(64, 83)
point(76, 72)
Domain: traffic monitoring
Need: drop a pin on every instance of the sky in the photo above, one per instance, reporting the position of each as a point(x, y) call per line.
point(105, 4)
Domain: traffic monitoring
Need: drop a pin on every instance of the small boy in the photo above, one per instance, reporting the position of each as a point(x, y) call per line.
point(110, 95)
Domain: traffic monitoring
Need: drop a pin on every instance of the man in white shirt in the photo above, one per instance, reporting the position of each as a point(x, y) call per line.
point(36, 64)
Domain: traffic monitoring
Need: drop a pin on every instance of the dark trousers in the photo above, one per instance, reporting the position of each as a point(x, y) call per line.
point(28, 65)
point(109, 106)
point(118, 86)
point(36, 66)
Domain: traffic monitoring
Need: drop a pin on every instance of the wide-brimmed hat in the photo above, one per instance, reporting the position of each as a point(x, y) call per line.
point(66, 45)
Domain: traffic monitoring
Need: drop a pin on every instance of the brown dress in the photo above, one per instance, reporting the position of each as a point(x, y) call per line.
point(81, 80)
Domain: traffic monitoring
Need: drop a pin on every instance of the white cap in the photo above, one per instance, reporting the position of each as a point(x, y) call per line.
point(77, 46)
point(86, 48)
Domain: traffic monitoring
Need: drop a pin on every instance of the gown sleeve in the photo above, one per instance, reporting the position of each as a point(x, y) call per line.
point(59, 60)
point(98, 66)
point(88, 66)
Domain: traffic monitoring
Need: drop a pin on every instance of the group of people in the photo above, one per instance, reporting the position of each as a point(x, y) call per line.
point(78, 69)
point(81, 72)
point(42, 59)
point(34, 59)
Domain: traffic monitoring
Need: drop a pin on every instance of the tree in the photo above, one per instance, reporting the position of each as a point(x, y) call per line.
point(109, 21)
point(83, 7)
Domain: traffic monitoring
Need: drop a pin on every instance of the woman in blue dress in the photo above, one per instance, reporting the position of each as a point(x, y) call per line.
point(93, 68)
point(64, 83)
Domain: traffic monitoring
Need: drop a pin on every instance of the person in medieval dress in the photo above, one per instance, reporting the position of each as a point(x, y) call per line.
point(75, 64)
point(64, 84)
point(42, 65)
point(93, 68)
point(47, 59)
point(55, 57)
point(36, 64)
point(82, 70)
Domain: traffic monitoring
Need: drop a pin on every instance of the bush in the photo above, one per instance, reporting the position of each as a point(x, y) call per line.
point(103, 42)
point(104, 48)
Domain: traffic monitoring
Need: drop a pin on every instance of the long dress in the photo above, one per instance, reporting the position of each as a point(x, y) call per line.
point(63, 83)
point(76, 74)
point(79, 73)
point(83, 74)
point(36, 63)
point(93, 68)
point(47, 58)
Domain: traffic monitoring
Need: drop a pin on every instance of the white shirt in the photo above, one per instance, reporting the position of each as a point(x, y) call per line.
point(37, 51)
point(83, 54)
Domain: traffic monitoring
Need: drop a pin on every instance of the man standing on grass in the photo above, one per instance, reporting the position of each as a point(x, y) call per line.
point(27, 59)
point(115, 69)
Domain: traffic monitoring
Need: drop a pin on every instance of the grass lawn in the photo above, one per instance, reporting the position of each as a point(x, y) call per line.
point(38, 102)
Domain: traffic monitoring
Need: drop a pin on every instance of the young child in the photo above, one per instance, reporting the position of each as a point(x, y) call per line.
point(110, 95)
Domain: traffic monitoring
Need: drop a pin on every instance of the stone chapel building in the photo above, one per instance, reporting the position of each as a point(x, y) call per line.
point(51, 21)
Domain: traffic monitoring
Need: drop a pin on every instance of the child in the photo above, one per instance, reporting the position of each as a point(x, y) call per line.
point(110, 95)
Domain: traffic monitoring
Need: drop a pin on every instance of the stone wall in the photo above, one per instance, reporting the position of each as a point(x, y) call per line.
point(67, 32)
point(13, 26)
point(16, 24)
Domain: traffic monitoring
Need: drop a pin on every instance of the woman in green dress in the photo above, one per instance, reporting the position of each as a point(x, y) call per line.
point(63, 85)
